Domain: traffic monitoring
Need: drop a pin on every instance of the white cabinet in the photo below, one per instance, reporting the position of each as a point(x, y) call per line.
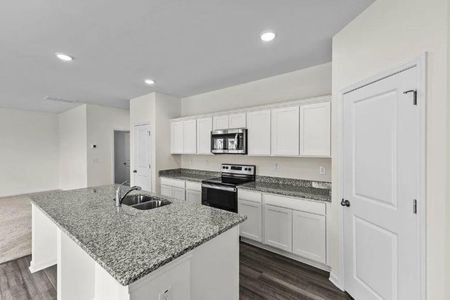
point(176, 137)
point(220, 122)
point(204, 127)
point(285, 131)
point(237, 120)
point(194, 192)
point(190, 137)
point(315, 129)
point(178, 193)
point(309, 236)
point(174, 188)
point(249, 204)
point(166, 191)
point(258, 125)
point(278, 227)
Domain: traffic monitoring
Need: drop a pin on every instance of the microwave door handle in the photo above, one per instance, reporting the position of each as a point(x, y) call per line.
point(236, 138)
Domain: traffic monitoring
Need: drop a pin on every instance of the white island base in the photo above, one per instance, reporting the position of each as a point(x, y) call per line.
point(210, 271)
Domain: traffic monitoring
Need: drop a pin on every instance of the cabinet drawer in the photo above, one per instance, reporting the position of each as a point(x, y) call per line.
point(173, 182)
point(194, 186)
point(295, 203)
point(249, 195)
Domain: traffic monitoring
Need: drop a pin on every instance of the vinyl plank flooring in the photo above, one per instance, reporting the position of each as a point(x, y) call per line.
point(263, 275)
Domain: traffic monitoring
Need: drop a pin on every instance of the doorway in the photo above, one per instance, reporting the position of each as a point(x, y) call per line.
point(142, 168)
point(121, 157)
point(383, 167)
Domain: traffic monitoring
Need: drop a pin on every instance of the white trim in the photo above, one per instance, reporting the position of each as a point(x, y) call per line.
point(41, 266)
point(335, 280)
point(421, 64)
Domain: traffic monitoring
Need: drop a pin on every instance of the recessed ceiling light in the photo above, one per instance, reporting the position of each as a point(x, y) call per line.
point(64, 57)
point(149, 82)
point(267, 36)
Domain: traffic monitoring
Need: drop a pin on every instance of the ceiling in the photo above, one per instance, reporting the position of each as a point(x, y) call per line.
point(186, 46)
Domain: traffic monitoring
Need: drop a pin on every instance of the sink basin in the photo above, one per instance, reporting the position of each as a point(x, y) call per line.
point(151, 204)
point(144, 202)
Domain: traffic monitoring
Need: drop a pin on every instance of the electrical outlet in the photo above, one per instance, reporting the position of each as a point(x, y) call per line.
point(276, 166)
point(165, 295)
point(322, 171)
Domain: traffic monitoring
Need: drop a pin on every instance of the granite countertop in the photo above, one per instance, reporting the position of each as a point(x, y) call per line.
point(188, 174)
point(130, 243)
point(314, 190)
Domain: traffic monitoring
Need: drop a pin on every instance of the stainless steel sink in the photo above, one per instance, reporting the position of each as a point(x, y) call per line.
point(144, 202)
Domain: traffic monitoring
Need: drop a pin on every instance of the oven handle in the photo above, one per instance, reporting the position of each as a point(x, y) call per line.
point(217, 187)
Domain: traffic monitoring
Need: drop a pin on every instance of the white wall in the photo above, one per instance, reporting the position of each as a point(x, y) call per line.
point(72, 148)
point(28, 152)
point(101, 123)
point(310, 82)
point(386, 35)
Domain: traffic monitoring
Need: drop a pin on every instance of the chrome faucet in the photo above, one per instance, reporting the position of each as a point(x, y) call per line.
point(119, 197)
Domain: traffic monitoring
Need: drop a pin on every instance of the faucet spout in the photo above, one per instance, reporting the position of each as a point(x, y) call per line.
point(119, 198)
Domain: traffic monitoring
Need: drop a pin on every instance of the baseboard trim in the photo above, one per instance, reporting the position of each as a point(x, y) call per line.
point(41, 266)
point(335, 280)
point(287, 254)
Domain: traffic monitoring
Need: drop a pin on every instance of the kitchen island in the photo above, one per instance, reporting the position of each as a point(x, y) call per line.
point(178, 251)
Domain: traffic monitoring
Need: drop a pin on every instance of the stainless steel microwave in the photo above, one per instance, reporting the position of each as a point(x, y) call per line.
point(229, 141)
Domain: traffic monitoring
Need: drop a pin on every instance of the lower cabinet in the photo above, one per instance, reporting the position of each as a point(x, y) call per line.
point(251, 228)
point(166, 190)
point(278, 227)
point(194, 196)
point(173, 192)
point(308, 236)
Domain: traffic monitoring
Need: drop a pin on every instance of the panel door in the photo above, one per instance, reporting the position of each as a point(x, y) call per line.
point(178, 193)
point(237, 120)
point(176, 137)
point(194, 196)
point(278, 227)
point(166, 191)
point(381, 179)
point(308, 236)
point(285, 131)
point(204, 127)
point(220, 122)
point(258, 125)
point(315, 122)
point(142, 157)
point(190, 137)
point(251, 228)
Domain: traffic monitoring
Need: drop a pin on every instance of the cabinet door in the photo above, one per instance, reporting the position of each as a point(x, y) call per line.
point(178, 193)
point(315, 129)
point(285, 131)
point(166, 191)
point(258, 125)
point(190, 137)
point(237, 121)
point(278, 227)
point(204, 127)
point(220, 122)
point(194, 196)
point(251, 228)
point(309, 236)
point(176, 137)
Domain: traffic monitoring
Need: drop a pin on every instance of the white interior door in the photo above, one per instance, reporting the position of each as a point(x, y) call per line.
point(381, 179)
point(142, 157)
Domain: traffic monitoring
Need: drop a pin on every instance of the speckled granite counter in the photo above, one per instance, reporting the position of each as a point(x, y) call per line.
point(131, 243)
point(188, 174)
point(314, 190)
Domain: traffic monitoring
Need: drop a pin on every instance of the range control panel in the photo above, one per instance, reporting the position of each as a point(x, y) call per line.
point(238, 169)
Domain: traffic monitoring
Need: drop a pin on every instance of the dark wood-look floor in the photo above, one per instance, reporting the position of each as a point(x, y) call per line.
point(266, 275)
point(263, 275)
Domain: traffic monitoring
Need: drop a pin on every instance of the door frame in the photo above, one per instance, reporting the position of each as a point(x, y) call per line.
point(421, 64)
point(113, 165)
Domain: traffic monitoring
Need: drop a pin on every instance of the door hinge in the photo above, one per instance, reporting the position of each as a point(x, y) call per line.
point(415, 206)
point(414, 94)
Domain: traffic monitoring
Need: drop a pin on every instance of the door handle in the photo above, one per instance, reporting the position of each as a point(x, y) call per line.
point(134, 171)
point(345, 202)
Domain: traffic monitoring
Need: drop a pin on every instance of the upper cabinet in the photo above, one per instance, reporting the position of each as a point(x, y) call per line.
point(258, 125)
point(315, 129)
point(176, 137)
point(190, 137)
point(220, 122)
point(295, 129)
point(237, 120)
point(285, 131)
point(204, 127)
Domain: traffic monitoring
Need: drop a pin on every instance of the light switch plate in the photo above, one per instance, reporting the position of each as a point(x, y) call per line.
point(322, 171)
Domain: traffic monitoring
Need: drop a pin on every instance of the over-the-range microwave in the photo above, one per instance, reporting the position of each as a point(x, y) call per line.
point(229, 141)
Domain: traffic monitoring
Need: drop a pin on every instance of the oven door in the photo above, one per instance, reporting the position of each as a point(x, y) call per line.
point(219, 196)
